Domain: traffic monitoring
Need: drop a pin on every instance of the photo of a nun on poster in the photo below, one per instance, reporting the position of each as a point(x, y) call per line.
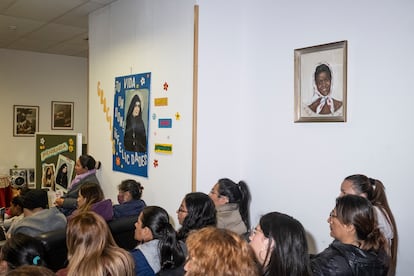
point(135, 137)
point(130, 129)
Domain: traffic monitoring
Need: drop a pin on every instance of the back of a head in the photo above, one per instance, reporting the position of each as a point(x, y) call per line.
point(358, 211)
point(87, 235)
point(372, 188)
point(17, 201)
point(92, 249)
point(31, 270)
point(289, 254)
point(212, 251)
point(201, 211)
point(158, 221)
point(87, 161)
point(35, 198)
point(22, 249)
point(236, 193)
point(135, 188)
point(92, 192)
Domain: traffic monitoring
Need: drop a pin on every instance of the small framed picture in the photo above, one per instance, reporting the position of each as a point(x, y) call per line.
point(62, 115)
point(321, 83)
point(25, 120)
point(31, 178)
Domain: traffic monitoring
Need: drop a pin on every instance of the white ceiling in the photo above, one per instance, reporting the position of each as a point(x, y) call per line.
point(48, 26)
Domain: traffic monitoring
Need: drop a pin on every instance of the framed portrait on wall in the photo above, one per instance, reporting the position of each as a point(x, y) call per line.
point(31, 178)
point(62, 115)
point(321, 83)
point(25, 120)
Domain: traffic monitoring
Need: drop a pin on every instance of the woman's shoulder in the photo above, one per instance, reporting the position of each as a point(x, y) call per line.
point(331, 261)
point(91, 178)
point(129, 208)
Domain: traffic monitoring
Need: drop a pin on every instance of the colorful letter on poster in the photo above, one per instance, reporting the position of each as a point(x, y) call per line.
point(131, 122)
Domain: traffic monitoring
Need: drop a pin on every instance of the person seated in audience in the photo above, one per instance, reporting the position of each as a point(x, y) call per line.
point(374, 191)
point(92, 249)
point(31, 270)
point(85, 169)
point(213, 251)
point(38, 218)
point(279, 242)
point(21, 250)
point(159, 247)
point(196, 211)
point(129, 198)
point(15, 211)
point(232, 205)
point(359, 245)
point(91, 198)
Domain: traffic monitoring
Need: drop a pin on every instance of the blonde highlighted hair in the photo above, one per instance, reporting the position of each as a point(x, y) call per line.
point(92, 249)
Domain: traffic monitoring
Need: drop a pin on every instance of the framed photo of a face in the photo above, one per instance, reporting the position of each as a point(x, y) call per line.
point(321, 83)
point(25, 120)
point(62, 115)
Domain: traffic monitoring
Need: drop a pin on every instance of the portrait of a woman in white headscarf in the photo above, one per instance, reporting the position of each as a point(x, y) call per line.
point(322, 101)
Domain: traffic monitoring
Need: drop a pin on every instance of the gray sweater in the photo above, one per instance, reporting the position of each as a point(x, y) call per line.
point(41, 222)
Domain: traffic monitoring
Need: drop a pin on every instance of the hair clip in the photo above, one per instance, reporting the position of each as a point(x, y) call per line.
point(36, 260)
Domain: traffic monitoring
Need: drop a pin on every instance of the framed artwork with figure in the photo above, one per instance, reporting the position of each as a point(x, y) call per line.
point(321, 83)
point(25, 120)
point(62, 115)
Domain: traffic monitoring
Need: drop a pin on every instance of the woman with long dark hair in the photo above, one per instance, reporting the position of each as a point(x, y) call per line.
point(359, 247)
point(62, 176)
point(374, 191)
point(159, 248)
point(232, 204)
point(196, 211)
point(279, 242)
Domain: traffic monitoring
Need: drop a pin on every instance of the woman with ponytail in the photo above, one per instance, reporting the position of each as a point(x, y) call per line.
point(232, 205)
point(85, 169)
point(374, 191)
point(359, 247)
point(159, 248)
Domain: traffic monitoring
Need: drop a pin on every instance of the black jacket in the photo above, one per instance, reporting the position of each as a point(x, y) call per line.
point(346, 259)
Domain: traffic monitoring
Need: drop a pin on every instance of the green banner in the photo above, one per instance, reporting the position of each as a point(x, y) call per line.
point(56, 155)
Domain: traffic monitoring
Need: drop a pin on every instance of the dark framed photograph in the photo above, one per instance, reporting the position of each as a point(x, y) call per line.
point(31, 178)
point(321, 83)
point(25, 120)
point(62, 115)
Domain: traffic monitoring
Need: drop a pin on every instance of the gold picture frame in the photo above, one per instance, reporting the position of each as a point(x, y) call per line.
point(321, 83)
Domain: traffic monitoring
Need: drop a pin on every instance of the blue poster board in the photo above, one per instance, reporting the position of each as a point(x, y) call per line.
point(131, 124)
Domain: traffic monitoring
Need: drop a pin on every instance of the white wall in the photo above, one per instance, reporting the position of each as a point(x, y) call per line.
point(245, 107)
point(246, 128)
point(28, 78)
point(132, 37)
